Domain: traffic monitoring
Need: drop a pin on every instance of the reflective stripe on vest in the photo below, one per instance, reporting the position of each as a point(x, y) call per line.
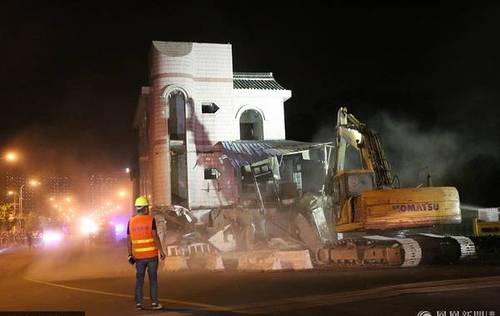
point(145, 249)
point(141, 234)
point(142, 241)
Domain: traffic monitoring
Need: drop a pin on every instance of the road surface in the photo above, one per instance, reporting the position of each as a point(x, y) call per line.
point(100, 282)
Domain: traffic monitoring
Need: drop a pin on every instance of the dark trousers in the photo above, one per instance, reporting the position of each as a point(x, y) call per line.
point(151, 264)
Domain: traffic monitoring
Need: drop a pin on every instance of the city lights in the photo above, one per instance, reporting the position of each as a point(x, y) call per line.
point(120, 228)
point(34, 182)
point(52, 237)
point(88, 226)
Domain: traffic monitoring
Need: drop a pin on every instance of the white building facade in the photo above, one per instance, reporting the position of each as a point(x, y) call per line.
point(194, 102)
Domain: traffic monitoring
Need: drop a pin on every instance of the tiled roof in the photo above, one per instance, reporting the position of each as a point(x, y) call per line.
point(255, 81)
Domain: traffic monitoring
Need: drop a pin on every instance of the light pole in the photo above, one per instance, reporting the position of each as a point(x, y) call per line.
point(13, 194)
point(21, 200)
point(32, 183)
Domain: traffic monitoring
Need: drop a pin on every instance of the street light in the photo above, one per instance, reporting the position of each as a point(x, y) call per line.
point(11, 156)
point(32, 183)
point(122, 193)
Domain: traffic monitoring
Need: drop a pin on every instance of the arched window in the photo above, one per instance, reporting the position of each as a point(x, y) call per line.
point(177, 115)
point(251, 126)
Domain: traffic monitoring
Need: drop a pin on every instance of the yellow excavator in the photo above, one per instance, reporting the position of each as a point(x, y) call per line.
point(365, 197)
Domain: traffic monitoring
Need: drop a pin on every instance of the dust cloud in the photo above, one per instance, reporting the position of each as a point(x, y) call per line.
point(413, 151)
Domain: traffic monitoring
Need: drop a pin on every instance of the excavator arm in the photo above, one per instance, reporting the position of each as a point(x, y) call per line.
point(351, 132)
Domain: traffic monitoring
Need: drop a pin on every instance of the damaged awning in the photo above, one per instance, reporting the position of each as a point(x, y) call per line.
point(245, 152)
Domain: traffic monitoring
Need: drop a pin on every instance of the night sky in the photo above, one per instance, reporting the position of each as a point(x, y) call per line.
point(70, 75)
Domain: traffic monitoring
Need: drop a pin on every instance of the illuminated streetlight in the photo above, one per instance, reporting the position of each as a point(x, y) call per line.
point(127, 170)
point(11, 192)
point(67, 199)
point(11, 156)
point(51, 198)
point(34, 182)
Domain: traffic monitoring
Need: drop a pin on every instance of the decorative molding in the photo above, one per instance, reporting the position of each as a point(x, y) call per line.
point(249, 107)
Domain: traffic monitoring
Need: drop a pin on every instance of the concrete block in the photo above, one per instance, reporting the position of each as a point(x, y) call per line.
point(175, 263)
point(259, 261)
point(214, 263)
point(295, 260)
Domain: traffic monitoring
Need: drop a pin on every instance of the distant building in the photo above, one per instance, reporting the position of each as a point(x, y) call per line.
point(57, 186)
point(14, 182)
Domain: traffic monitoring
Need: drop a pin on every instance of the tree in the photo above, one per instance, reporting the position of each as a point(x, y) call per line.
point(6, 215)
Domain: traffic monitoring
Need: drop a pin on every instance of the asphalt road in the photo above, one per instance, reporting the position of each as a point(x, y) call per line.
point(100, 282)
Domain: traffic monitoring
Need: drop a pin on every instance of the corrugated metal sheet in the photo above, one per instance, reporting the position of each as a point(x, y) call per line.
point(255, 81)
point(245, 152)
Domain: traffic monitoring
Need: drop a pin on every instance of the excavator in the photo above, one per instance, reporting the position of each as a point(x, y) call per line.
point(365, 197)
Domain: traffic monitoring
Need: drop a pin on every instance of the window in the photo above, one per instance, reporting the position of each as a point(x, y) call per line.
point(177, 115)
point(211, 174)
point(251, 126)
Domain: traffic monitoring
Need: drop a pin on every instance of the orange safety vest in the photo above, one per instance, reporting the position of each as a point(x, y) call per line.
point(141, 234)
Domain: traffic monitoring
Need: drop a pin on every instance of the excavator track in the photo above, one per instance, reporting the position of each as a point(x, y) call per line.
point(412, 251)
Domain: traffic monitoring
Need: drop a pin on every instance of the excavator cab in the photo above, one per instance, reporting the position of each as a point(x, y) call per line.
point(350, 184)
point(366, 198)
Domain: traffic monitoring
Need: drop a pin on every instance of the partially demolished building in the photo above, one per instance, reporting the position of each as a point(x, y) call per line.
point(212, 143)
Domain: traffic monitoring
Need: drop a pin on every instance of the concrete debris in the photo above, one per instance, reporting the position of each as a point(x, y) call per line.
point(223, 240)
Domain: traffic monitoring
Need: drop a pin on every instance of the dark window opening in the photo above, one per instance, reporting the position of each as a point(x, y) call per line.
point(211, 174)
point(177, 115)
point(251, 126)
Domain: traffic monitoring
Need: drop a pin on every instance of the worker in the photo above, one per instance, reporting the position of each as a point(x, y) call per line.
point(29, 239)
point(143, 249)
